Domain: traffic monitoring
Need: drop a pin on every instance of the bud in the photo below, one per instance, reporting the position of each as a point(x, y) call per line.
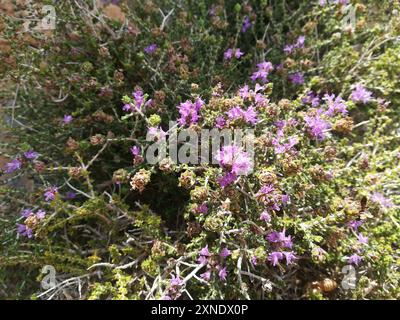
point(97, 139)
point(87, 66)
point(266, 176)
point(120, 176)
point(330, 153)
point(154, 120)
point(75, 172)
point(166, 165)
point(119, 77)
point(72, 144)
point(187, 179)
point(214, 223)
point(40, 166)
point(140, 180)
point(344, 125)
point(199, 194)
point(31, 222)
point(103, 52)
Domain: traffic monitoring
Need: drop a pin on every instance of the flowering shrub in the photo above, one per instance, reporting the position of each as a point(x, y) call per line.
point(318, 194)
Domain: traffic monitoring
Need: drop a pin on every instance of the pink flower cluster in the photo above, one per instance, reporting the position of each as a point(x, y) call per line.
point(189, 111)
point(263, 70)
point(204, 259)
point(234, 160)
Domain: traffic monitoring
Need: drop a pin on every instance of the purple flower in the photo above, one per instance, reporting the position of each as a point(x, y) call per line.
point(250, 115)
point(335, 105)
point(311, 98)
point(228, 54)
point(361, 239)
point(135, 150)
point(273, 237)
point(234, 113)
point(360, 94)
point(202, 208)
point(238, 53)
point(288, 49)
point(275, 257)
point(317, 126)
point(266, 190)
point(265, 216)
point(26, 213)
point(189, 111)
point(235, 159)
point(150, 49)
point(31, 155)
point(262, 72)
point(50, 193)
point(220, 122)
point(281, 238)
point(67, 119)
point(138, 102)
point(244, 92)
point(285, 147)
point(166, 297)
point(176, 281)
point(381, 200)
point(40, 214)
point(156, 133)
point(227, 179)
point(12, 166)
point(138, 98)
point(300, 42)
point(246, 24)
point(354, 259)
point(24, 230)
point(296, 78)
point(355, 224)
point(222, 274)
point(70, 195)
point(203, 260)
point(285, 199)
point(204, 252)
point(127, 107)
point(206, 275)
point(225, 252)
point(290, 257)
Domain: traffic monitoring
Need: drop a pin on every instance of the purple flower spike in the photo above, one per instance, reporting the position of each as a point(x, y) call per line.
point(275, 257)
point(204, 252)
point(50, 193)
point(31, 155)
point(150, 49)
point(360, 94)
point(12, 166)
point(67, 119)
point(265, 216)
point(225, 252)
point(246, 24)
point(222, 274)
point(354, 259)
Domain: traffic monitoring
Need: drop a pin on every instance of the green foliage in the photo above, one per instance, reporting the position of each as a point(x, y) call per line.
point(131, 226)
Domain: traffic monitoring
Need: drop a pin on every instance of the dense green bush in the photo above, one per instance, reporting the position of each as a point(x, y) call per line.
point(324, 192)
